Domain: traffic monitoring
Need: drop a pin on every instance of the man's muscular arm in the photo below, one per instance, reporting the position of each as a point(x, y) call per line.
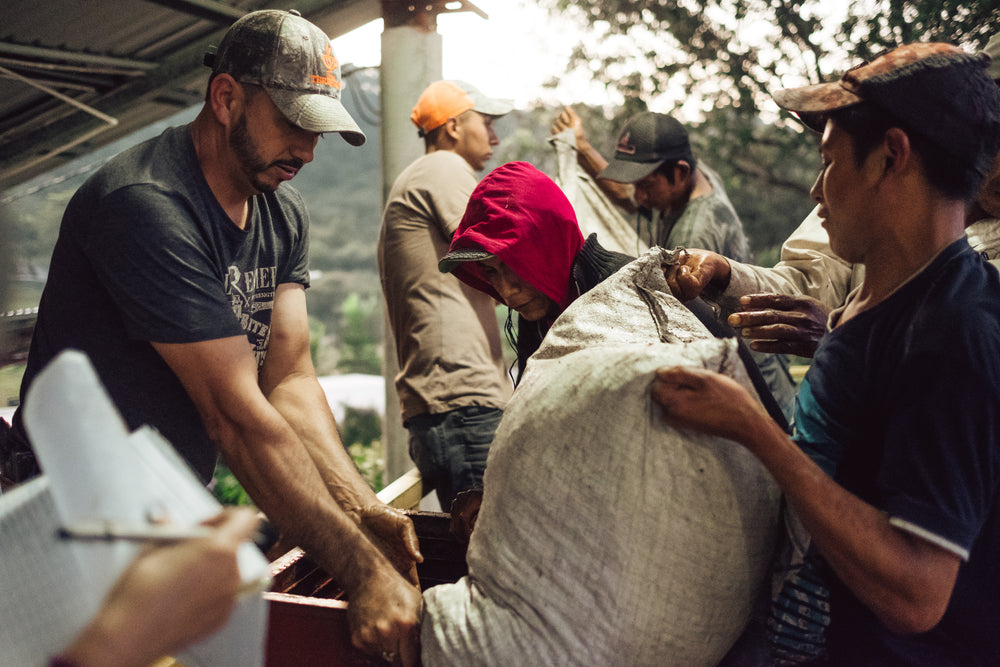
point(273, 465)
point(288, 381)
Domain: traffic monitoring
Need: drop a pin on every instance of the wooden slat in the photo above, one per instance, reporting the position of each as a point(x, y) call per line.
point(405, 492)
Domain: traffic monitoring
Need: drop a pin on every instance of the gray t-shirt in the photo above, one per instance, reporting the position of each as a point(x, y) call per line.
point(146, 254)
point(709, 222)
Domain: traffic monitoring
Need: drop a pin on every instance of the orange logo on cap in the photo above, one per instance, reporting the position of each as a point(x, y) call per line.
point(331, 63)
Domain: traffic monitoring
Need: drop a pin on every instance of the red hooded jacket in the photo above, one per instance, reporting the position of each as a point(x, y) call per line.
point(521, 216)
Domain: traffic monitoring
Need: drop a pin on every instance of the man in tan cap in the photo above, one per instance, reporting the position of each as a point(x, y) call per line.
point(893, 464)
point(452, 382)
point(181, 270)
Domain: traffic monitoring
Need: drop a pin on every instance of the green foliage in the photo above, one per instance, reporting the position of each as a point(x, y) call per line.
point(359, 335)
point(370, 462)
point(317, 331)
point(362, 433)
point(363, 427)
point(730, 53)
point(10, 383)
point(889, 23)
point(227, 489)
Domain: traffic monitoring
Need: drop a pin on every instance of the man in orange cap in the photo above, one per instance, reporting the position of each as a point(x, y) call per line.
point(452, 382)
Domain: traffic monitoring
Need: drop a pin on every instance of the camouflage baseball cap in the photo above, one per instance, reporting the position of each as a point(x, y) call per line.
point(928, 87)
point(293, 61)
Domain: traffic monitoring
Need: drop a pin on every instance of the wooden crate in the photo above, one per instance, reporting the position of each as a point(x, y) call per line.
point(308, 611)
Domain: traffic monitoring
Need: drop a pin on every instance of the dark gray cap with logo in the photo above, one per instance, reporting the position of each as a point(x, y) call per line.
point(648, 140)
point(293, 61)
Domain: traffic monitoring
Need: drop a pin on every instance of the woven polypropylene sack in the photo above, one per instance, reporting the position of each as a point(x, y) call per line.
point(606, 537)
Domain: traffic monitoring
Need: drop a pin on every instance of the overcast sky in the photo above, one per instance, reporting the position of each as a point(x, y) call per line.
point(510, 55)
point(521, 46)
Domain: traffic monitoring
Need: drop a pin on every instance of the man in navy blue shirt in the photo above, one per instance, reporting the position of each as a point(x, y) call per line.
point(894, 464)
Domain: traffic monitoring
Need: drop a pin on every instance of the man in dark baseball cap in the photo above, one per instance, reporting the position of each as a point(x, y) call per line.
point(646, 142)
point(683, 202)
point(181, 272)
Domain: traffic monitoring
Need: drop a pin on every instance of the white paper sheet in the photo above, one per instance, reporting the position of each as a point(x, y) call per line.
point(95, 469)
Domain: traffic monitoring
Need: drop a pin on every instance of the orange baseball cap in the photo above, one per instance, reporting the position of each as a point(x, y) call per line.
point(447, 99)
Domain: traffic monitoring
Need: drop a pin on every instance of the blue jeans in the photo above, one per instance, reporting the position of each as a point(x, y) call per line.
point(450, 449)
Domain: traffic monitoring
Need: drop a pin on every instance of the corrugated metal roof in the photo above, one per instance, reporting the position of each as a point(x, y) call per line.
point(78, 74)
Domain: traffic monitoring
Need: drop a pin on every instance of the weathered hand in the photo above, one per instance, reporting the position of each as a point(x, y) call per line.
point(393, 533)
point(781, 323)
point(696, 270)
point(384, 615)
point(464, 512)
point(568, 120)
point(705, 401)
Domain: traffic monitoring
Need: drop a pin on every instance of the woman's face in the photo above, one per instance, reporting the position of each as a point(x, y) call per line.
point(517, 293)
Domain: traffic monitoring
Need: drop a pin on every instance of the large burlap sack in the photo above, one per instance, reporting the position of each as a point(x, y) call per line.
point(606, 537)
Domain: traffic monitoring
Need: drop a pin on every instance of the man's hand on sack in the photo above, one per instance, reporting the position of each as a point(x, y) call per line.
point(464, 512)
point(695, 271)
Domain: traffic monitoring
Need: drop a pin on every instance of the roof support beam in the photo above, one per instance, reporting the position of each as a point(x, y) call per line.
point(124, 65)
point(218, 12)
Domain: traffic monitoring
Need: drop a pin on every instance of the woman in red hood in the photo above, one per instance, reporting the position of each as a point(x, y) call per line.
point(519, 241)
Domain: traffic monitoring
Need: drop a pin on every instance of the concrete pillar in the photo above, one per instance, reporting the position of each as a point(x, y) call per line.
point(411, 60)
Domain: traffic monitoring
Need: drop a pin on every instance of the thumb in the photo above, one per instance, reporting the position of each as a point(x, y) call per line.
point(236, 525)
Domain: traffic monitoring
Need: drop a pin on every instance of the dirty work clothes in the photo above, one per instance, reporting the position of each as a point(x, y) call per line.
point(708, 222)
point(146, 253)
point(450, 449)
point(909, 392)
point(447, 338)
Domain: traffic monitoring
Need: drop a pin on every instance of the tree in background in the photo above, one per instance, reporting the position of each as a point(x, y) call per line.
point(730, 53)
point(359, 335)
point(717, 60)
point(362, 433)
